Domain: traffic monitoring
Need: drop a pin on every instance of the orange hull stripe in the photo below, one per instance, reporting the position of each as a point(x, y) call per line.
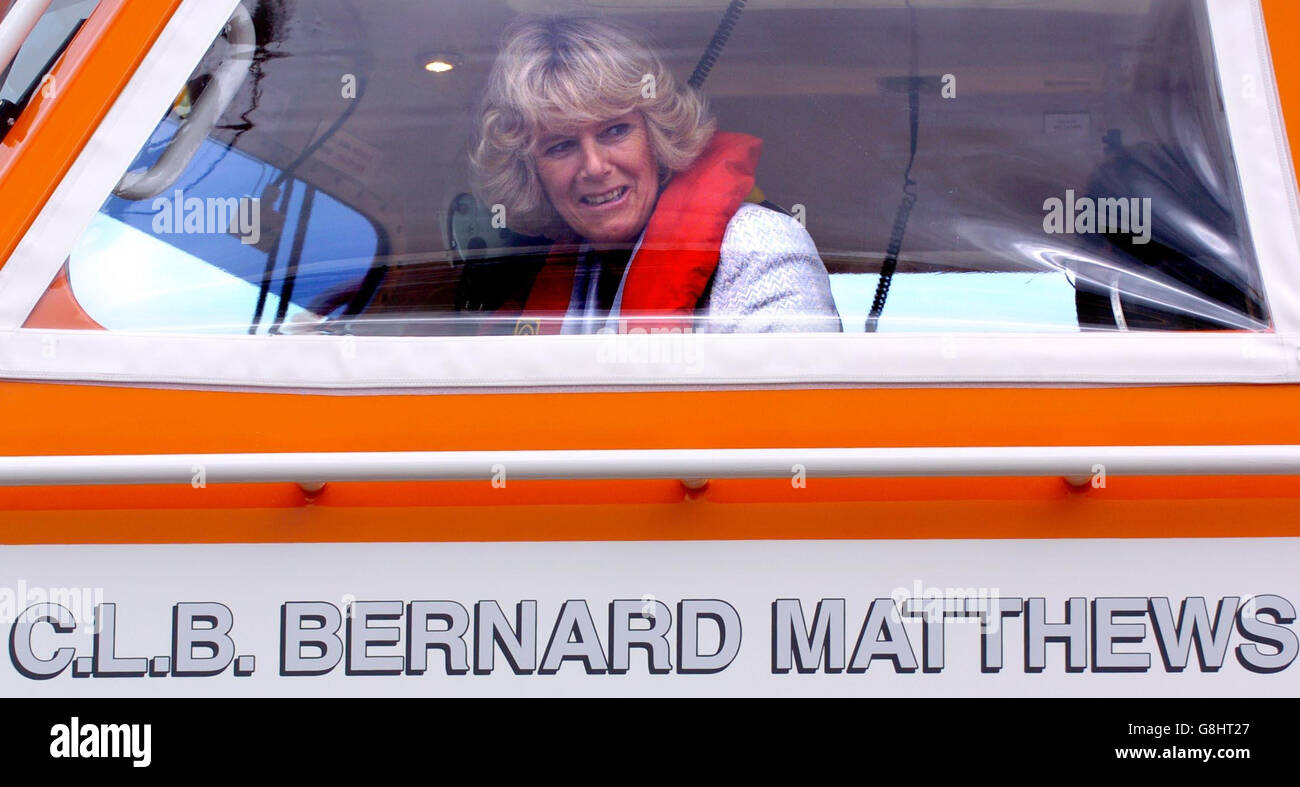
point(77, 419)
point(1081, 517)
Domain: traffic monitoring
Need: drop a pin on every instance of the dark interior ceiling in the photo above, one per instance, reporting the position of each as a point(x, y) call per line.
point(805, 76)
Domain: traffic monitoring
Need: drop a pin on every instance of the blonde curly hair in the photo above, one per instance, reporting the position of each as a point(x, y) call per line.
point(554, 74)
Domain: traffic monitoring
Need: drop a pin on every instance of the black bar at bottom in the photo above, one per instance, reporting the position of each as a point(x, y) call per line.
point(991, 738)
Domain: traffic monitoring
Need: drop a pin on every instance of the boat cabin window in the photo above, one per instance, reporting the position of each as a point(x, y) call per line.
point(965, 166)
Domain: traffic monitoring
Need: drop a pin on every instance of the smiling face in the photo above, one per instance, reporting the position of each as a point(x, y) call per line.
point(601, 178)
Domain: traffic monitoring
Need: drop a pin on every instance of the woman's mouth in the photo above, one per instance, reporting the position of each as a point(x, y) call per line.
point(607, 198)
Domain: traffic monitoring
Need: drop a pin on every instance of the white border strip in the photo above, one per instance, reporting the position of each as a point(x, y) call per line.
point(370, 363)
point(1069, 462)
point(424, 363)
point(1260, 150)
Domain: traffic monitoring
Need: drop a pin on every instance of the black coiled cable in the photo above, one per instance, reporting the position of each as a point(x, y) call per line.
point(890, 263)
point(714, 50)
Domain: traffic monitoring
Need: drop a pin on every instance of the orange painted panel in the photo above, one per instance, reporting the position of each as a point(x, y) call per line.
point(136, 420)
point(51, 132)
point(110, 420)
point(58, 308)
point(1282, 18)
point(1084, 516)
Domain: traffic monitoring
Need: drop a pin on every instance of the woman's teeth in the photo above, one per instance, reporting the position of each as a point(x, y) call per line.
point(601, 199)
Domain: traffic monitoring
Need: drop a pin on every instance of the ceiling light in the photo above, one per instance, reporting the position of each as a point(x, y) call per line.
point(439, 62)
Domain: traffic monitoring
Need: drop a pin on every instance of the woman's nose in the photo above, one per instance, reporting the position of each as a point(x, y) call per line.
point(595, 163)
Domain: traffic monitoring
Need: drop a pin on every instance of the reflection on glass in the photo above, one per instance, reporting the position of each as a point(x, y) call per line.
point(1072, 171)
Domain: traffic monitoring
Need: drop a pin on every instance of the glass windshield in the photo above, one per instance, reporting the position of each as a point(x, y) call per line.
point(526, 167)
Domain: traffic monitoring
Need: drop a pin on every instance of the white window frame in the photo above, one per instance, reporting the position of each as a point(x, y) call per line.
point(446, 363)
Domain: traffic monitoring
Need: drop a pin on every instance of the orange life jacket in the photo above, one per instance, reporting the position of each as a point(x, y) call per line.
point(679, 251)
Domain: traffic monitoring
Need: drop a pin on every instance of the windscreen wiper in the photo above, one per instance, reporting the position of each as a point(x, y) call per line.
point(10, 110)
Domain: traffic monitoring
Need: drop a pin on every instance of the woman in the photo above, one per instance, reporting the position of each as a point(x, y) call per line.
point(585, 138)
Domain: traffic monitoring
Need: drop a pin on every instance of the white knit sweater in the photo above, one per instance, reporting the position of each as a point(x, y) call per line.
point(769, 278)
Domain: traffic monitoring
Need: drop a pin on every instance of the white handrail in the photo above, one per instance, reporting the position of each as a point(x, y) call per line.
point(1078, 462)
point(226, 83)
point(17, 25)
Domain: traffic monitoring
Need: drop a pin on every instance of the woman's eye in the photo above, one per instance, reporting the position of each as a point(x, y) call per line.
point(617, 131)
point(559, 148)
